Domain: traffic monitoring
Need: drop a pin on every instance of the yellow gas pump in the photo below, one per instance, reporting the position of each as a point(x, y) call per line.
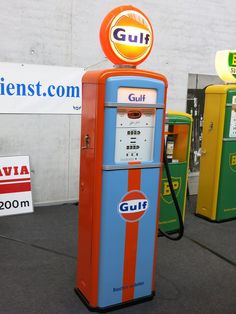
point(217, 181)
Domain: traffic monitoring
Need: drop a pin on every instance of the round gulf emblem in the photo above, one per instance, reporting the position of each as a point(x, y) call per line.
point(126, 36)
point(133, 206)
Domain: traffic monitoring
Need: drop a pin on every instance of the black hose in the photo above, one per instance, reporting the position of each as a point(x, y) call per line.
point(174, 197)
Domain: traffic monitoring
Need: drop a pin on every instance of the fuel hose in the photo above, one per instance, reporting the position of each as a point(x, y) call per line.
point(174, 197)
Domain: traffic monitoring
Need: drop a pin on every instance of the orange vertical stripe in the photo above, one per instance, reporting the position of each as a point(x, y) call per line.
point(131, 242)
point(134, 179)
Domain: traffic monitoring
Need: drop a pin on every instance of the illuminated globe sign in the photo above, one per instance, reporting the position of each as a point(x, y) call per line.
point(225, 64)
point(126, 36)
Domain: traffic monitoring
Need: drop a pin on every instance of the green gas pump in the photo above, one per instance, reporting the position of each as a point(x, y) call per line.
point(178, 137)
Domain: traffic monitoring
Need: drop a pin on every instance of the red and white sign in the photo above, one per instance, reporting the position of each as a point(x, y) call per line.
point(133, 206)
point(15, 186)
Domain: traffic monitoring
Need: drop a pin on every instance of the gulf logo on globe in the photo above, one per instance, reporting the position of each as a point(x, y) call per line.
point(126, 35)
point(133, 206)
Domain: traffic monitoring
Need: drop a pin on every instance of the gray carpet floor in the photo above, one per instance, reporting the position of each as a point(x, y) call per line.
point(38, 261)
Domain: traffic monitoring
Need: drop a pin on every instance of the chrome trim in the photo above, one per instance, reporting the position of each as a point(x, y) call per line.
point(229, 139)
point(127, 167)
point(230, 105)
point(129, 105)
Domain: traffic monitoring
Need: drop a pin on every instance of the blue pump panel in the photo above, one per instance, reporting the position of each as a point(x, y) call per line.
point(133, 124)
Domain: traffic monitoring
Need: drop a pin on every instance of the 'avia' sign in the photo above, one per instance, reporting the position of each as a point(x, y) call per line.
point(13, 171)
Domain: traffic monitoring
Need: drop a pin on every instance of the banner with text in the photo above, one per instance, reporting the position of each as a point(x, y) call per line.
point(40, 89)
point(15, 186)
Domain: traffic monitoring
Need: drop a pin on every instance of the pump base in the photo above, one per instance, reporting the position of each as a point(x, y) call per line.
point(112, 307)
point(216, 221)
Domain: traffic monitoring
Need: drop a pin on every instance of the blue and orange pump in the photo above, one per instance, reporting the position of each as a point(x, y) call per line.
point(117, 255)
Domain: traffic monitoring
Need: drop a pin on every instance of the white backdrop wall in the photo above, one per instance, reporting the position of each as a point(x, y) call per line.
point(65, 33)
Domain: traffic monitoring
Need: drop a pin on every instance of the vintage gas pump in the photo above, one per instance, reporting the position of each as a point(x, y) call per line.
point(178, 140)
point(123, 118)
point(217, 181)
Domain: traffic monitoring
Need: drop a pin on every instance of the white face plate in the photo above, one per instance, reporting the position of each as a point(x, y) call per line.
point(134, 134)
point(232, 130)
